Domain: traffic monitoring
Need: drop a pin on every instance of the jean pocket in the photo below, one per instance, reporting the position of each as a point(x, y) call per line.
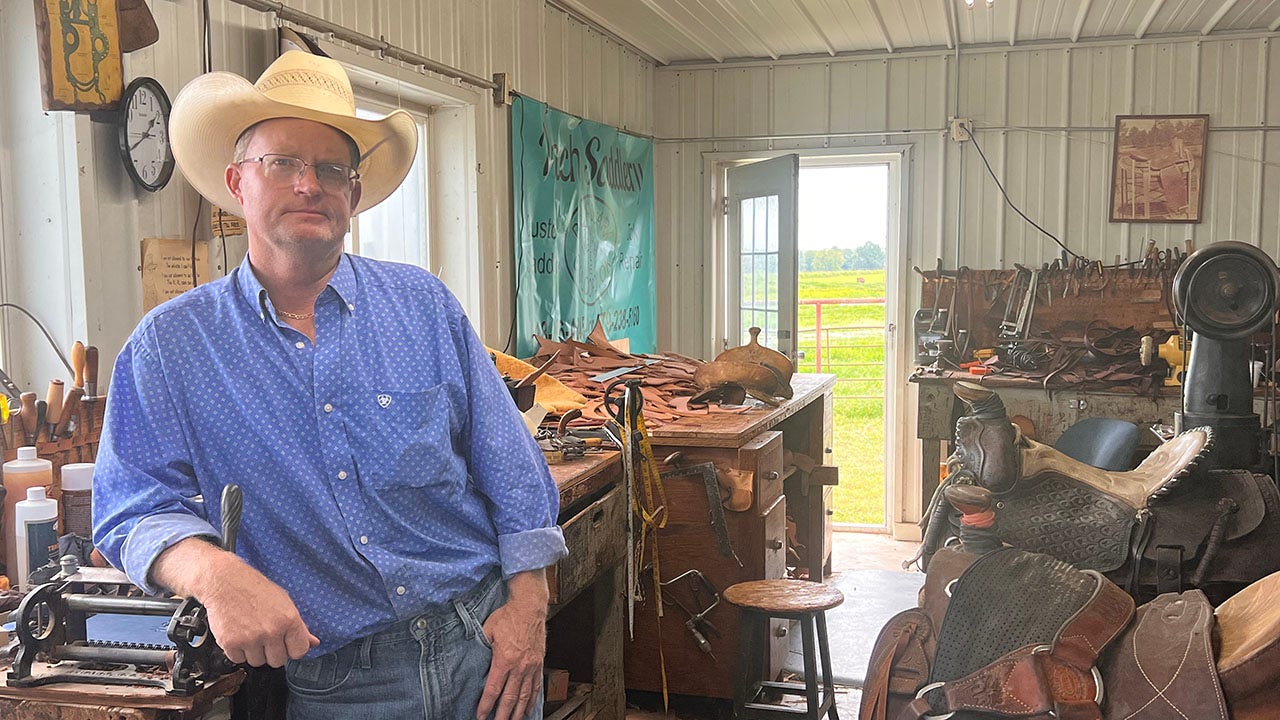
point(474, 611)
point(472, 624)
point(320, 675)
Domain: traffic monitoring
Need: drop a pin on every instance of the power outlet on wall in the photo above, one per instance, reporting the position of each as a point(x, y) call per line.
point(960, 128)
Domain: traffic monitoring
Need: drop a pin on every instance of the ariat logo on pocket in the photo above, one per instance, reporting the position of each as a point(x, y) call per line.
point(384, 400)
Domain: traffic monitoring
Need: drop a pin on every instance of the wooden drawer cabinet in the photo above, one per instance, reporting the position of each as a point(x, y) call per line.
point(751, 442)
point(688, 542)
point(596, 538)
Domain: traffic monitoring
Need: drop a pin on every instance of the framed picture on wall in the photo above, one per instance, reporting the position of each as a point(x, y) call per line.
point(1157, 169)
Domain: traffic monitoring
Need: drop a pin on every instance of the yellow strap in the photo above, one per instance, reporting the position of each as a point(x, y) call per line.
point(653, 517)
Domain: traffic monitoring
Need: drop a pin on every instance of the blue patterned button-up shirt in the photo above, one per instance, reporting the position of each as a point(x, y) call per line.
point(385, 468)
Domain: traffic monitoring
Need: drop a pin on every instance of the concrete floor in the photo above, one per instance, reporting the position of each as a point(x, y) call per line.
point(850, 551)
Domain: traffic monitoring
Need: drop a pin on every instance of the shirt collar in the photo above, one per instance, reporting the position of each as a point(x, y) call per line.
point(343, 282)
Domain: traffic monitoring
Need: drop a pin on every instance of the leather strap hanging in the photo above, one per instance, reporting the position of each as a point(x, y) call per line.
point(649, 500)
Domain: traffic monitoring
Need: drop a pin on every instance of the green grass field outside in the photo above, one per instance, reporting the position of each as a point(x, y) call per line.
point(853, 348)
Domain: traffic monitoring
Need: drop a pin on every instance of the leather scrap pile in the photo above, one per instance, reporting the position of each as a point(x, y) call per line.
point(667, 379)
point(674, 385)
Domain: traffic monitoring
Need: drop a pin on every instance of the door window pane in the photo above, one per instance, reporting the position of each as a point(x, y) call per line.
point(758, 242)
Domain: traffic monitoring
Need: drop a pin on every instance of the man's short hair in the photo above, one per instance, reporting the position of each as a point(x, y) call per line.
point(246, 137)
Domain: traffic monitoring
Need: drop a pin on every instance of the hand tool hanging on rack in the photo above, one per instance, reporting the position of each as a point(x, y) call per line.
point(936, 335)
point(53, 401)
point(30, 421)
point(924, 324)
point(10, 388)
point(642, 473)
point(1013, 335)
point(698, 624)
point(711, 484)
point(1017, 292)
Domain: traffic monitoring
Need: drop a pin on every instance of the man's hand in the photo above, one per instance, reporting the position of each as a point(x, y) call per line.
point(253, 620)
point(518, 633)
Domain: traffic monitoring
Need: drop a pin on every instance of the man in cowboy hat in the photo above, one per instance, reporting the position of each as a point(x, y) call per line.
point(397, 514)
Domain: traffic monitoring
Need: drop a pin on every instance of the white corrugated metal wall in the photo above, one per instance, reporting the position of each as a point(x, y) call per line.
point(1043, 116)
point(549, 56)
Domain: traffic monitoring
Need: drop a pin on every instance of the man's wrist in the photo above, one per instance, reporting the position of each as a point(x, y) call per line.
point(193, 567)
point(529, 589)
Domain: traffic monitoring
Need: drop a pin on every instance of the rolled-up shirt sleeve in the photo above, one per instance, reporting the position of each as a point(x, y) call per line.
point(505, 462)
point(145, 491)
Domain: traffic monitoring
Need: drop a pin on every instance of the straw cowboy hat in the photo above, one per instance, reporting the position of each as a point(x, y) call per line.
point(214, 109)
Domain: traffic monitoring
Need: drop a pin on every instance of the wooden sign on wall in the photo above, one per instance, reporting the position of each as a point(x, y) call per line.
point(79, 45)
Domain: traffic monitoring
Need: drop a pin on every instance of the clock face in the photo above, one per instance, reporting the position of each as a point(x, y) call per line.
point(144, 136)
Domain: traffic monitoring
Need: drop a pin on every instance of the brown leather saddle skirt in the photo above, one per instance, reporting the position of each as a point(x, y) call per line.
point(1017, 634)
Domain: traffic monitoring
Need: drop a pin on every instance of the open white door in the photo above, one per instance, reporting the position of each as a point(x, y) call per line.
point(761, 204)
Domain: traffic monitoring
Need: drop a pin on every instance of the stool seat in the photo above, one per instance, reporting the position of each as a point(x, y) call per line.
point(784, 597)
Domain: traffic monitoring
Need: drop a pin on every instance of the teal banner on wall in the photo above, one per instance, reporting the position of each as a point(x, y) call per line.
point(582, 201)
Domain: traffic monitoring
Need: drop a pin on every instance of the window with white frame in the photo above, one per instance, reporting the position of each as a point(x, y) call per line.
point(398, 228)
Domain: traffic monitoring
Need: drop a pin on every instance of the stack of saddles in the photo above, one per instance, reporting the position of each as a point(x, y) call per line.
point(1033, 565)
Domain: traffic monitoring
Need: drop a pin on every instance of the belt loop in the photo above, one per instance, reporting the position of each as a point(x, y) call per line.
point(468, 622)
point(366, 662)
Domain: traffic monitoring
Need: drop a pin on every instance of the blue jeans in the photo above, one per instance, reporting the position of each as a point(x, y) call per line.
point(431, 666)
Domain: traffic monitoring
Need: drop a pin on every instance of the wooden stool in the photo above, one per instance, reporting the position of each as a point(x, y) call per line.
point(796, 600)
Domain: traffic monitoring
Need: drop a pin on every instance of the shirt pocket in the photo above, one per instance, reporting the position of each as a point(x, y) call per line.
point(410, 442)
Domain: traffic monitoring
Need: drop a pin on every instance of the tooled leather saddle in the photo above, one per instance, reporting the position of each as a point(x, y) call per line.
point(1166, 526)
point(1012, 634)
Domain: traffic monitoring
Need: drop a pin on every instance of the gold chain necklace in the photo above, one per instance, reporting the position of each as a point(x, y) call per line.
point(295, 316)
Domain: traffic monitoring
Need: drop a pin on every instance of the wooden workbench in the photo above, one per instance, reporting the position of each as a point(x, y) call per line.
point(731, 430)
point(585, 623)
point(82, 701)
point(754, 442)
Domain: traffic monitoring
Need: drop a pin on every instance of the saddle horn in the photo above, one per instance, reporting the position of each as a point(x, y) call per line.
point(983, 402)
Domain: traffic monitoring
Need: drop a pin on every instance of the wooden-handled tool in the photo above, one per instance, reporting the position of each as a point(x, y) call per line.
point(42, 412)
point(30, 423)
point(91, 371)
point(77, 363)
point(70, 409)
point(53, 413)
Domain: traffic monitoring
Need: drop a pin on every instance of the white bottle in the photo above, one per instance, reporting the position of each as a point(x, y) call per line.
point(36, 522)
point(24, 472)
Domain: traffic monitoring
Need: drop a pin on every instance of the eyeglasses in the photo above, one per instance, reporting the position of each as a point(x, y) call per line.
point(286, 170)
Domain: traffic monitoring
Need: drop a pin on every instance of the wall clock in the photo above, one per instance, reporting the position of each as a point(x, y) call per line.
point(144, 134)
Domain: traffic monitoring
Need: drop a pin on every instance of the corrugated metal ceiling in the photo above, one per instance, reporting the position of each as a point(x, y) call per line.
point(717, 30)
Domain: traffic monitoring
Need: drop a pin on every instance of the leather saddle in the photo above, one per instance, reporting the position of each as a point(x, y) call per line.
point(1168, 525)
point(1012, 634)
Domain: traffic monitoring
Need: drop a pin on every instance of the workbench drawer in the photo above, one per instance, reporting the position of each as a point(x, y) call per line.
point(596, 538)
point(763, 457)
